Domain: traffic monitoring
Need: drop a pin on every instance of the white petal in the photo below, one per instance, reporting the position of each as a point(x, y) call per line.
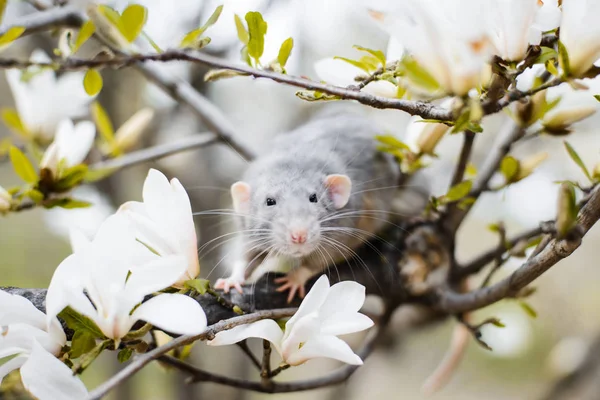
point(81, 143)
point(51, 157)
point(14, 308)
point(382, 88)
point(343, 297)
point(157, 275)
point(311, 303)
point(395, 49)
point(548, 16)
point(130, 132)
point(19, 337)
point(264, 329)
point(66, 282)
point(337, 72)
point(11, 365)
point(174, 313)
point(47, 378)
point(79, 241)
point(305, 329)
point(325, 347)
point(344, 323)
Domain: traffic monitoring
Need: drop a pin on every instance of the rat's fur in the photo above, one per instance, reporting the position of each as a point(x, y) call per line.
point(297, 166)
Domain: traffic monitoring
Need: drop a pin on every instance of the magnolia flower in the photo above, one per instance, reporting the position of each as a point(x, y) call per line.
point(47, 378)
point(130, 132)
point(100, 281)
point(423, 137)
point(574, 105)
point(514, 24)
point(341, 73)
point(580, 33)
point(43, 101)
point(70, 146)
point(324, 314)
point(5, 200)
point(21, 326)
point(447, 38)
point(164, 222)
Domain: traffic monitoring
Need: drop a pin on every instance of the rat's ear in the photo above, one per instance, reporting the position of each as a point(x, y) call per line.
point(240, 193)
point(338, 187)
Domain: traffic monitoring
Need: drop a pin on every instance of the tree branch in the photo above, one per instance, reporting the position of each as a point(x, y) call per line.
point(452, 302)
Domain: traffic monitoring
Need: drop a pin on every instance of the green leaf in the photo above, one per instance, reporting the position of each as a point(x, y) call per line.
point(89, 357)
point(92, 82)
point(133, 20)
point(462, 122)
point(67, 203)
point(35, 195)
point(567, 210)
point(213, 18)
point(378, 54)
point(11, 35)
point(257, 28)
point(509, 168)
point(575, 157)
point(11, 119)
point(83, 342)
point(357, 64)
point(528, 309)
point(285, 51)
point(78, 322)
point(22, 165)
point(458, 191)
point(71, 177)
point(199, 285)
point(124, 354)
point(216, 74)
point(86, 32)
point(2, 8)
point(94, 175)
point(105, 126)
point(241, 30)
point(563, 58)
point(152, 42)
point(419, 75)
point(547, 54)
point(392, 142)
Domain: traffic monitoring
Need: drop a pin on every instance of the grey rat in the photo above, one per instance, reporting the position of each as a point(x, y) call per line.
point(320, 192)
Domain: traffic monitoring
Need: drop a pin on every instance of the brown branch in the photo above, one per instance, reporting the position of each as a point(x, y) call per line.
point(552, 253)
point(510, 134)
point(463, 160)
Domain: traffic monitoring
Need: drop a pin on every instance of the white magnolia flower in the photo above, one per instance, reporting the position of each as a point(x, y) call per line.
point(324, 314)
point(574, 105)
point(580, 33)
point(514, 24)
point(70, 146)
point(164, 222)
point(5, 200)
point(47, 378)
point(22, 325)
point(117, 273)
point(341, 73)
point(43, 100)
point(448, 39)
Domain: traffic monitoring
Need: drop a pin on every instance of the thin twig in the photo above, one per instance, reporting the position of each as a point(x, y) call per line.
point(209, 333)
point(244, 346)
point(265, 370)
point(499, 260)
point(465, 156)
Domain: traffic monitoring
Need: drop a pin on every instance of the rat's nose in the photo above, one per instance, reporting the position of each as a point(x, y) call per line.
point(298, 236)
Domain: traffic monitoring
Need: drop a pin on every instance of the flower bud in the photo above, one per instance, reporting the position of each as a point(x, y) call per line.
point(5, 200)
point(596, 172)
point(566, 213)
point(559, 122)
point(527, 166)
point(130, 132)
point(430, 135)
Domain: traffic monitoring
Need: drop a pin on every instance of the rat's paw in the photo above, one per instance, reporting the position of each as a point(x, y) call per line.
point(295, 282)
point(227, 283)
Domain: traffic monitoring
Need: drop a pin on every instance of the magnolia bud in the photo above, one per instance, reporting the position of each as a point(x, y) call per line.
point(51, 158)
point(596, 172)
point(64, 43)
point(130, 132)
point(5, 200)
point(558, 122)
point(105, 28)
point(430, 136)
point(566, 213)
point(527, 166)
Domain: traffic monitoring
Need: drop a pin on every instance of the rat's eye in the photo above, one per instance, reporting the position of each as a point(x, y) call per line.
point(313, 198)
point(271, 202)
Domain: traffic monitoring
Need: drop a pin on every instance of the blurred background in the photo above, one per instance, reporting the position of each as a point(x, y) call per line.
point(529, 354)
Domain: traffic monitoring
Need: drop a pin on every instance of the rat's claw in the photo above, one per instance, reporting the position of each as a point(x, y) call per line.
point(294, 281)
point(227, 283)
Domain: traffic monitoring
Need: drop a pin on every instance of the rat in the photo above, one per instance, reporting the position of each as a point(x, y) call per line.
point(321, 191)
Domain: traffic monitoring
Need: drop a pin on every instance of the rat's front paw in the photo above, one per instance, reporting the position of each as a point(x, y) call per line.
point(294, 281)
point(227, 283)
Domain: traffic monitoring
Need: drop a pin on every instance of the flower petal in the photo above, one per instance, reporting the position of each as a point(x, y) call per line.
point(174, 313)
point(46, 377)
point(156, 275)
point(14, 308)
point(337, 72)
point(344, 323)
point(11, 365)
point(82, 141)
point(311, 303)
point(324, 347)
point(18, 338)
point(345, 297)
point(264, 329)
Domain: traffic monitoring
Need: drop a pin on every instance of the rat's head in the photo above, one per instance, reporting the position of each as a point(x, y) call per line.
point(286, 215)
